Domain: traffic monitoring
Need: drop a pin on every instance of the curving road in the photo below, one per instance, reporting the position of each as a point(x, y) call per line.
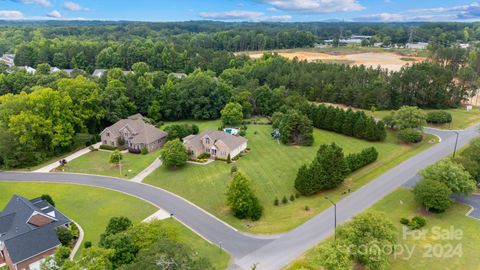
point(267, 252)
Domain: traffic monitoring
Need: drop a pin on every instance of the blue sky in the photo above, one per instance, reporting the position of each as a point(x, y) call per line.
point(243, 10)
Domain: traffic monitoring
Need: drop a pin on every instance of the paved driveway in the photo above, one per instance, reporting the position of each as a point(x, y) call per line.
point(474, 202)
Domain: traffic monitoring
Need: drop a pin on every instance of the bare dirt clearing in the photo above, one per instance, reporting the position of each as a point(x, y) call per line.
point(388, 60)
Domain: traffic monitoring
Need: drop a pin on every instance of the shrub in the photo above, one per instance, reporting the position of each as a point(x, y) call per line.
point(74, 230)
point(144, 150)
point(284, 200)
point(439, 117)
point(48, 199)
point(229, 159)
point(64, 235)
point(134, 151)
point(433, 194)
point(404, 221)
point(242, 132)
point(307, 208)
point(242, 200)
point(203, 156)
point(362, 159)
point(233, 169)
point(410, 135)
point(276, 201)
point(292, 198)
point(297, 195)
point(87, 244)
point(417, 223)
point(108, 147)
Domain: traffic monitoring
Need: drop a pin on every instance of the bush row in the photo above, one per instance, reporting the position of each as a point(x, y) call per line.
point(358, 160)
point(347, 122)
point(439, 117)
point(108, 147)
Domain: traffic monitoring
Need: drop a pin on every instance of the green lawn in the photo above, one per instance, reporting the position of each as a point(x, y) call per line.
point(90, 207)
point(272, 168)
point(97, 162)
point(218, 257)
point(93, 207)
point(461, 118)
point(401, 203)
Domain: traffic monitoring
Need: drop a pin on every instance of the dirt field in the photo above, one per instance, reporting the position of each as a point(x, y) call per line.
point(388, 60)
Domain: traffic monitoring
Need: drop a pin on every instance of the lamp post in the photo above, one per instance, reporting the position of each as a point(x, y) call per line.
point(456, 142)
point(335, 215)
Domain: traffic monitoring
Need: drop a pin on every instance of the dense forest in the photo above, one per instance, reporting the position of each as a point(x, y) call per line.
point(41, 114)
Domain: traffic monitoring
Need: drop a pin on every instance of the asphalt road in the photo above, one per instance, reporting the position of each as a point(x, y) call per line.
point(276, 252)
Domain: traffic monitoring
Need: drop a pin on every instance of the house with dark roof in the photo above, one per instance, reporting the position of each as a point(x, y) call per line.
point(134, 133)
point(28, 232)
point(218, 144)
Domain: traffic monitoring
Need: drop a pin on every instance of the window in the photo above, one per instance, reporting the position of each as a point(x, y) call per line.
point(104, 141)
point(108, 134)
point(207, 140)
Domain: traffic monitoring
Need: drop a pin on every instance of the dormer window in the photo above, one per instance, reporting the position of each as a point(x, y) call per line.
point(207, 140)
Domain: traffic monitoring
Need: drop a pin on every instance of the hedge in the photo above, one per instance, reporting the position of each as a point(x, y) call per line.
point(108, 147)
point(358, 160)
point(439, 117)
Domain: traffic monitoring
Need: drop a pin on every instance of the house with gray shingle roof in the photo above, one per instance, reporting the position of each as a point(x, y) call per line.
point(218, 144)
point(28, 232)
point(134, 133)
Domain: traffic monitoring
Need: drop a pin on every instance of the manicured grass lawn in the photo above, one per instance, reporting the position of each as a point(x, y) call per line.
point(218, 257)
point(461, 118)
point(91, 207)
point(401, 203)
point(97, 162)
point(272, 167)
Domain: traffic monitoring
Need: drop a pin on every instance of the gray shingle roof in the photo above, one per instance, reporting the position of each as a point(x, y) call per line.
point(143, 132)
point(32, 243)
point(22, 239)
point(232, 142)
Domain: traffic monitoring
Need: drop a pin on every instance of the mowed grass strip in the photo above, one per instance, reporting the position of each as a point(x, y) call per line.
point(272, 167)
point(91, 207)
point(402, 204)
point(98, 162)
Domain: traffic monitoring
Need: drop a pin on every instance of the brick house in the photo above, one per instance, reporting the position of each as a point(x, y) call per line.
point(134, 133)
point(218, 144)
point(28, 232)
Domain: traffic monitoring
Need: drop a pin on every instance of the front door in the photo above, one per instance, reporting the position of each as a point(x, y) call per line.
point(213, 152)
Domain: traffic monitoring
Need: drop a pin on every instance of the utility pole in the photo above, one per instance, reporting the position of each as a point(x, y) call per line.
point(335, 217)
point(456, 142)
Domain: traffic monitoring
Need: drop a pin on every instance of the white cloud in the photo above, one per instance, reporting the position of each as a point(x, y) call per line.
point(43, 3)
point(279, 18)
point(54, 14)
point(232, 15)
point(314, 6)
point(243, 15)
point(454, 13)
point(72, 6)
point(11, 14)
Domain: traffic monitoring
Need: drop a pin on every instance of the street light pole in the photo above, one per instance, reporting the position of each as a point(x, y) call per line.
point(335, 216)
point(456, 142)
